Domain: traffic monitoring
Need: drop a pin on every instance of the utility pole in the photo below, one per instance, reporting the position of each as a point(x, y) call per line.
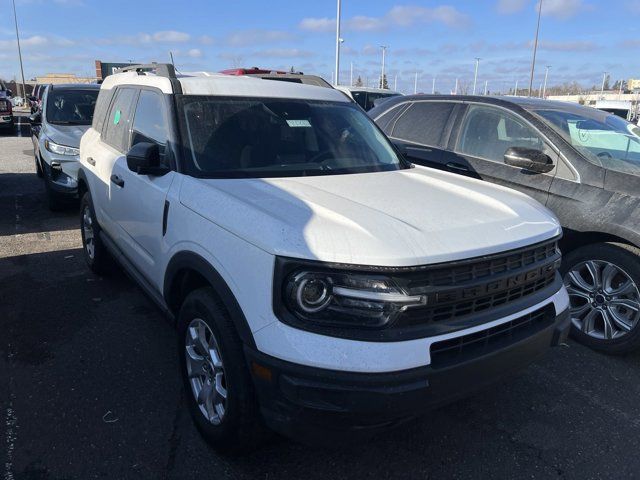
point(415, 85)
point(337, 82)
point(546, 75)
point(535, 48)
point(604, 80)
point(15, 19)
point(475, 76)
point(486, 87)
point(384, 53)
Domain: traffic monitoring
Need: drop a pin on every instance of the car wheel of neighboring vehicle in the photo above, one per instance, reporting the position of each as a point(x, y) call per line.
point(95, 253)
point(219, 388)
point(603, 281)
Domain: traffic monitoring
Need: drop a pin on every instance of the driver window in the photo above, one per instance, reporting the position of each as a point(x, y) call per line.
point(489, 132)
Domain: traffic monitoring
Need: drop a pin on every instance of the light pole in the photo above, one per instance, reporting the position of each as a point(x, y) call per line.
point(535, 48)
point(384, 53)
point(455, 91)
point(604, 80)
point(15, 19)
point(546, 76)
point(515, 92)
point(337, 42)
point(475, 76)
point(486, 87)
point(395, 84)
point(415, 85)
point(433, 89)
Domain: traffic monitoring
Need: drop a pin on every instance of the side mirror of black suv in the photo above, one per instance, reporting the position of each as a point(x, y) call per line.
point(36, 119)
point(144, 159)
point(528, 159)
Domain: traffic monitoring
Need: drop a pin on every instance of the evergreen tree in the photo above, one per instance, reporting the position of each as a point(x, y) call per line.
point(383, 83)
point(359, 82)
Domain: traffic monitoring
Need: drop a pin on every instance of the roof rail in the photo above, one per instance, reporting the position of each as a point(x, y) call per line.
point(160, 69)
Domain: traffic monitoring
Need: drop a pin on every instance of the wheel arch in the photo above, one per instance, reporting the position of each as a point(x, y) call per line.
point(83, 185)
point(573, 239)
point(188, 271)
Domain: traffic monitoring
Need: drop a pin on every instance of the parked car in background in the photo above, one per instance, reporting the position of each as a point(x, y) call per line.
point(582, 163)
point(56, 129)
point(367, 97)
point(293, 77)
point(6, 113)
point(318, 281)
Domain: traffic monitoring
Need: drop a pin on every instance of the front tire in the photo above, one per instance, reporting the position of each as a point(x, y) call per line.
point(603, 281)
point(220, 392)
point(39, 171)
point(95, 253)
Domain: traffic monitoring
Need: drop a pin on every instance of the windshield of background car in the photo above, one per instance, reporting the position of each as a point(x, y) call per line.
point(605, 140)
point(259, 138)
point(71, 107)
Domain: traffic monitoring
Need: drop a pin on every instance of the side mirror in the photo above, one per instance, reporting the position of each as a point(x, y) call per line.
point(528, 159)
point(36, 118)
point(144, 159)
point(9, 93)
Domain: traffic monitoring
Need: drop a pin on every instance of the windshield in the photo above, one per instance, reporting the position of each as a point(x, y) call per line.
point(606, 140)
point(71, 107)
point(258, 138)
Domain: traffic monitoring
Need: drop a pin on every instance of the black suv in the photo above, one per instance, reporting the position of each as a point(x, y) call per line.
point(580, 162)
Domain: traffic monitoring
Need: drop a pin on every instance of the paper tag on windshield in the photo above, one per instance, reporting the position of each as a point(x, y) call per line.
point(299, 123)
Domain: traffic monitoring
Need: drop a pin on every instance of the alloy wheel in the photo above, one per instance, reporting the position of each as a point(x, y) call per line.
point(605, 301)
point(87, 229)
point(206, 371)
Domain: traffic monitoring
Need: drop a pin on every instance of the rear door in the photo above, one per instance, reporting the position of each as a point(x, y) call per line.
point(103, 154)
point(486, 133)
point(421, 130)
point(139, 200)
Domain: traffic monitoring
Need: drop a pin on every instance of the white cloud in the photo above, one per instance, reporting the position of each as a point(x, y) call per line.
point(36, 41)
point(511, 6)
point(398, 16)
point(318, 24)
point(194, 53)
point(170, 36)
point(562, 9)
point(283, 53)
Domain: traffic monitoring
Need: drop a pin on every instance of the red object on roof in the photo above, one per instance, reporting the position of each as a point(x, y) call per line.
point(250, 71)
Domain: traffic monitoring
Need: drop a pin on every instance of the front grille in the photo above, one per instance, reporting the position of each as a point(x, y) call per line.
point(461, 349)
point(474, 286)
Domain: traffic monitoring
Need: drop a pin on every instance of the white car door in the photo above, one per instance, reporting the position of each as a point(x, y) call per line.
point(103, 153)
point(139, 200)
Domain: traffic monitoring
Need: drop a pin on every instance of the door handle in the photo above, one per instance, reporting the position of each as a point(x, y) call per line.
point(457, 166)
point(91, 161)
point(117, 180)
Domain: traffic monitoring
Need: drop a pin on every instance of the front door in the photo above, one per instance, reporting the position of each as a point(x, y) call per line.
point(486, 133)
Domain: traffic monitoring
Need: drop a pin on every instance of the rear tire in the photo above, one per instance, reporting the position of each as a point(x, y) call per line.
point(603, 281)
point(229, 422)
point(95, 253)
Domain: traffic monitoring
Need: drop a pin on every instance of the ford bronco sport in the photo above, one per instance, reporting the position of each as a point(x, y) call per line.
point(320, 283)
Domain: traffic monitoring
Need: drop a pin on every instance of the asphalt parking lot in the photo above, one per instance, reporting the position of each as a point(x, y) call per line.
point(89, 385)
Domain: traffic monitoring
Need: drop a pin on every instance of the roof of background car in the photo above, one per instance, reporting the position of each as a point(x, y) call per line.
point(218, 84)
point(75, 86)
point(528, 103)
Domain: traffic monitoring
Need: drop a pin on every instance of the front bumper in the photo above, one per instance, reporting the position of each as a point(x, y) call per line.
point(319, 406)
point(63, 185)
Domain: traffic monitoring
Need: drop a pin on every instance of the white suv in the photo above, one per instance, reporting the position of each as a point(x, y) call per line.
point(319, 282)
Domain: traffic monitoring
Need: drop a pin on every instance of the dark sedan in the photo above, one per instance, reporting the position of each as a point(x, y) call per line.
point(580, 162)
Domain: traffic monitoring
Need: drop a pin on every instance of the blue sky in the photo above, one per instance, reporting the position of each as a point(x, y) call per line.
point(579, 38)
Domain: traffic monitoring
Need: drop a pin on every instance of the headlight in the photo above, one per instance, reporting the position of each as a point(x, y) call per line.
point(60, 149)
point(344, 299)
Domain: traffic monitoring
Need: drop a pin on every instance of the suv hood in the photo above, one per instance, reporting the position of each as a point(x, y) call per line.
point(401, 218)
point(68, 135)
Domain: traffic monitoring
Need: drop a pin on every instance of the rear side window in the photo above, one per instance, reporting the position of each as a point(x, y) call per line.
point(385, 121)
point(119, 120)
point(423, 123)
point(102, 105)
point(150, 123)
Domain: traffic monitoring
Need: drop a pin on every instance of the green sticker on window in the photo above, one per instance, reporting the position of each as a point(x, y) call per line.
point(116, 117)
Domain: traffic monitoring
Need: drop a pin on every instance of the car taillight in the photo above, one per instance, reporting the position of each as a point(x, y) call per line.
point(5, 106)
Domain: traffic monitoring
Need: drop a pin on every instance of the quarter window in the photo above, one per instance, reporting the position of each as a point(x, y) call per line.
point(119, 120)
point(423, 122)
point(489, 132)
